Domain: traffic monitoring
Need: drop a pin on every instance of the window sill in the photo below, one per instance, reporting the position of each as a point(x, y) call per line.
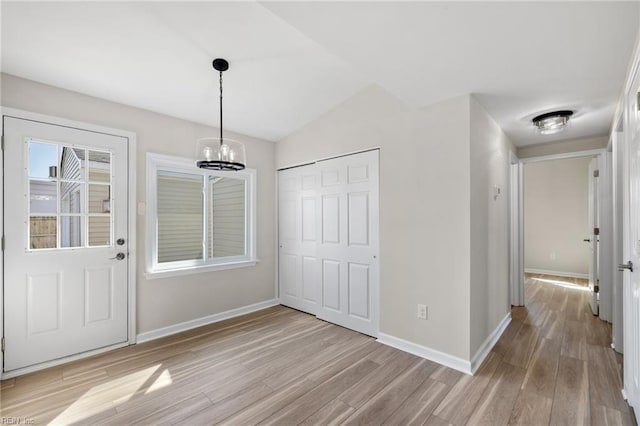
point(168, 273)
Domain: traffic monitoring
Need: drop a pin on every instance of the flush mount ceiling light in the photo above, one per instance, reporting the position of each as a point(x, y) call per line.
point(219, 153)
point(552, 122)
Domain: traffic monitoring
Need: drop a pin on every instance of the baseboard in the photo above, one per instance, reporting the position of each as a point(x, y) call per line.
point(447, 360)
point(557, 273)
point(485, 348)
point(188, 325)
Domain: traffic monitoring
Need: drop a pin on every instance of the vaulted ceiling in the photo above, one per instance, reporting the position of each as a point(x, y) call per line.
point(293, 61)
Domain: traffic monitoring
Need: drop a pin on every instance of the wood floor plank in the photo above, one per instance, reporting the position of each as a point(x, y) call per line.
point(605, 383)
point(436, 421)
point(359, 394)
point(543, 368)
point(312, 362)
point(177, 413)
point(416, 409)
point(497, 401)
point(504, 344)
point(605, 416)
point(334, 413)
point(228, 406)
point(278, 400)
point(574, 342)
point(299, 410)
point(460, 402)
point(522, 347)
point(446, 375)
point(383, 404)
point(552, 327)
point(571, 399)
point(531, 409)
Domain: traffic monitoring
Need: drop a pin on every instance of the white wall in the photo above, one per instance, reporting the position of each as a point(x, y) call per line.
point(170, 301)
point(556, 195)
point(571, 145)
point(490, 159)
point(425, 208)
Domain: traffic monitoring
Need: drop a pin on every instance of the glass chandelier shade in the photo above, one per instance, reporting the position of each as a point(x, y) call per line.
point(218, 153)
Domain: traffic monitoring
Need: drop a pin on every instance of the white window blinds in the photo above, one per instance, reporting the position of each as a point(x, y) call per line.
point(180, 216)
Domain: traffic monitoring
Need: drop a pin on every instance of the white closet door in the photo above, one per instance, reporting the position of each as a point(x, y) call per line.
point(348, 243)
point(328, 238)
point(298, 233)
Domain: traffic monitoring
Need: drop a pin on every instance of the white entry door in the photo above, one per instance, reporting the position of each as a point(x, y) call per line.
point(66, 266)
point(594, 238)
point(328, 238)
point(631, 228)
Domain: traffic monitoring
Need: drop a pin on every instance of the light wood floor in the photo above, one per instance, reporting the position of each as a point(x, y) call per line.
point(553, 365)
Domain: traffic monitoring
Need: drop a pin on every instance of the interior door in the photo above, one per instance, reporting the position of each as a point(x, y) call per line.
point(631, 248)
point(348, 243)
point(594, 238)
point(298, 231)
point(65, 283)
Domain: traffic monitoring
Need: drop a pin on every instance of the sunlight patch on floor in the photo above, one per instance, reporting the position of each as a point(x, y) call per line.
point(106, 396)
point(564, 284)
point(163, 380)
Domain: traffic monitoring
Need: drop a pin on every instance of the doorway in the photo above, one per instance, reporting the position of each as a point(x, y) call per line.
point(68, 238)
point(595, 237)
point(561, 238)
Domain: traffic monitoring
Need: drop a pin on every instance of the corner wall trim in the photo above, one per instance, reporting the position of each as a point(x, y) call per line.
point(210, 319)
point(556, 273)
point(485, 348)
point(424, 352)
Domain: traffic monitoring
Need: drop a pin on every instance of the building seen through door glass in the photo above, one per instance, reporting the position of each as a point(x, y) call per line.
point(69, 196)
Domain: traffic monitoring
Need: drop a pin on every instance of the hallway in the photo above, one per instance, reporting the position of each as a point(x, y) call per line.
point(572, 375)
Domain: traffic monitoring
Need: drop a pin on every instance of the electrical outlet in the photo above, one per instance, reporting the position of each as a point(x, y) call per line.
point(422, 311)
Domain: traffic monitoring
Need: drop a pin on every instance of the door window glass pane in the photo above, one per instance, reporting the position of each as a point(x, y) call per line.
point(42, 159)
point(180, 216)
point(99, 166)
point(99, 231)
point(99, 198)
point(72, 164)
point(42, 232)
point(43, 197)
point(72, 197)
point(71, 231)
point(226, 217)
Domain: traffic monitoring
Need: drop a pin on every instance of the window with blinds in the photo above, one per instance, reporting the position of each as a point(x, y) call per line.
point(198, 218)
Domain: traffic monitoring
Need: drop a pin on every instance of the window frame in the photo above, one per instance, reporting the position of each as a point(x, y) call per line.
point(154, 269)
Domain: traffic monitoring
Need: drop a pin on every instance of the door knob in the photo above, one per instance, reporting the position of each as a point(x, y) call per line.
point(623, 266)
point(587, 240)
point(119, 256)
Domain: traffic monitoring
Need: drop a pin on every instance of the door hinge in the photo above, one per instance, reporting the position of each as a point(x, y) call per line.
point(596, 173)
point(596, 231)
point(2, 142)
point(2, 243)
point(3, 345)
